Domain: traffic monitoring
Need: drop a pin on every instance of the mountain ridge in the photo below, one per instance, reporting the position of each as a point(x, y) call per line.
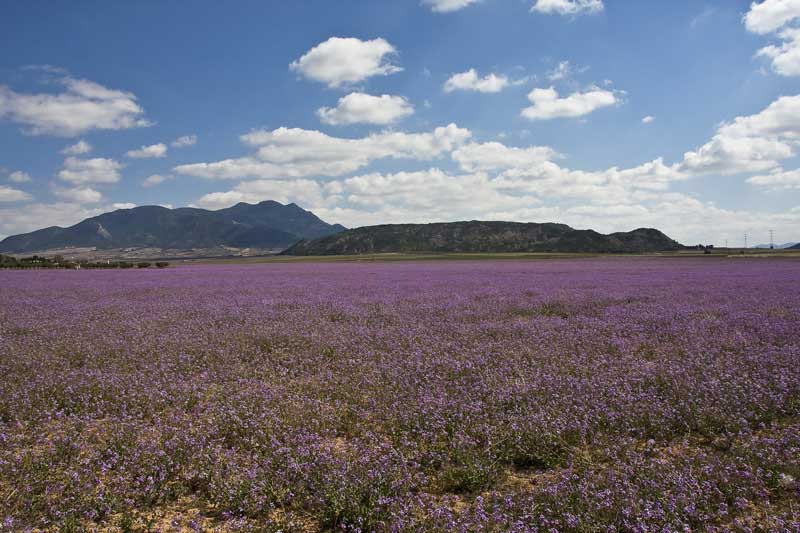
point(268, 224)
point(482, 236)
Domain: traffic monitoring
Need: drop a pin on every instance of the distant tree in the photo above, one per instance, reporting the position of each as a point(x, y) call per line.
point(162, 264)
point(143, 264)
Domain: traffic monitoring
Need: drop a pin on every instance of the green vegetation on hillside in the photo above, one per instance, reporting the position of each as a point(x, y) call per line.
point(483, 237)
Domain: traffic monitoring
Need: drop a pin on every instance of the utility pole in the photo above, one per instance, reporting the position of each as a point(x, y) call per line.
point(771, 239)
point(745, 241)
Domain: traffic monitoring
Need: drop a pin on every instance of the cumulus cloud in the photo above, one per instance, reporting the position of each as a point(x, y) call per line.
point(296, 153)
point(183, 142)
point(83, 106)
point(474, 157)
point(80, 195)
point(30, 217)
point(123, 205)
point(84, 171)
point(773, 16)
point(79, 148)
point(155, 179)
point(648, 119)
point(341, 61)
point(149, 152)
point(9, 194)
point(753, 143)
point(301, 191)
point(495, 181)
point(470, 81)
point(448, 6)
point(611, 200)
point(360, 108)
point(548, 105)
point(19, 176)
point(778, 180)
point(786, 56)
point(568, 7)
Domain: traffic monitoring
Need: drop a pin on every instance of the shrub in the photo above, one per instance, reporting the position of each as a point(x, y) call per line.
point(162, 264)
point(143, 265)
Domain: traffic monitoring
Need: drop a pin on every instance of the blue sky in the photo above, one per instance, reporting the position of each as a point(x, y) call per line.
point(380, 111)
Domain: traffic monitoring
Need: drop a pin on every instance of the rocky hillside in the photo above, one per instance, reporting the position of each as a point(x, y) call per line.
point(478, 236)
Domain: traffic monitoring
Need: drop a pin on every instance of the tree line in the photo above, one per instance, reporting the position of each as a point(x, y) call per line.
point(37, 262)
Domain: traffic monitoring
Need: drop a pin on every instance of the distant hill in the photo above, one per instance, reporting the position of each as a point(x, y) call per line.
point(784, 246)
point(795, 247)
point(268, 225)
point(478, 236)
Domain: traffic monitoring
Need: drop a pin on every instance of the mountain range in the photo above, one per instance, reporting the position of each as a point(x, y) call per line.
point(267, 225)
point(476, 236)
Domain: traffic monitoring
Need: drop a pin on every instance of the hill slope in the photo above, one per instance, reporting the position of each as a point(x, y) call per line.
point(478, 236)
point(265, 225)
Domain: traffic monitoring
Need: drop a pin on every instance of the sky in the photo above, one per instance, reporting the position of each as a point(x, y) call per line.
point(601, 114)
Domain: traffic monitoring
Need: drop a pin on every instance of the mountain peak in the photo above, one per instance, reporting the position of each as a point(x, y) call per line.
point(267, 225)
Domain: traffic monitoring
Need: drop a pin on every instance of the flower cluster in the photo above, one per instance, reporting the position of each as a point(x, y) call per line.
point(581, 395)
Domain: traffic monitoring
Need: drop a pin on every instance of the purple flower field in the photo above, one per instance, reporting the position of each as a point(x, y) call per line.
point(619, 394)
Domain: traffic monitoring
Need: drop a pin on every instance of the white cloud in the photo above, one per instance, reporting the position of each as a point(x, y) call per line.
point(183, 142)
point(83, 171)
point(448, 6)
point(562, 71)
point(360, 108)
point(548, 105)
point(786, 57)
point(15, 220)
point(428, 191)
point(294, 153)
point(771, 15)
point(302, 191)
point(612, 200)
point(124, 205)
point(149, 152)
point(84, 106)
point(469, 81)
point(155, 179)
point(568, 7)
point(81, 147)
point(613, 186)
point(474, 157)
point(648, 119)
point(80, 195)
point(494, 181)
point(778, 180)
point(8, 194)
point(340, 61)
point(19, 177)
point(754, 143)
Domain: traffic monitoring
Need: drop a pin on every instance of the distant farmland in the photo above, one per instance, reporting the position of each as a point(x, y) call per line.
point(627, 394)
